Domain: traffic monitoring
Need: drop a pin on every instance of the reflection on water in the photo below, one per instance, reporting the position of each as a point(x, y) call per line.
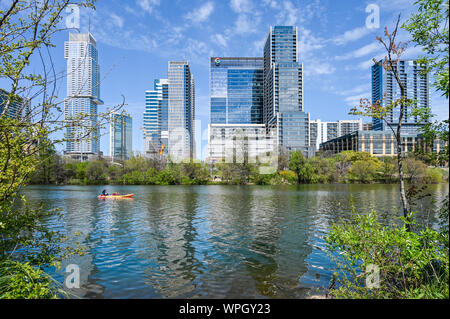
point(210, 241)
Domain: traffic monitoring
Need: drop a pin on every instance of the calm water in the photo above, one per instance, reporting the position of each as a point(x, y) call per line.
point(209, 241)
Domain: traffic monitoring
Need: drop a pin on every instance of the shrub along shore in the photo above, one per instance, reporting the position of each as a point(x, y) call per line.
point(292, 169)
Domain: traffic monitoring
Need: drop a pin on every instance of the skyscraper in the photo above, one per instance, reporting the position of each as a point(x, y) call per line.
point(156, 118)
point(321, 131)
point(386, 90)
point(283, 89)
point(121, 135)
point(18, 108)
point(181, 111)
point(236, 86)
point(83, 95)
point(236, 90)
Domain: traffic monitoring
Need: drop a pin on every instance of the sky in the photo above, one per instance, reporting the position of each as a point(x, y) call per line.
point(137, 38)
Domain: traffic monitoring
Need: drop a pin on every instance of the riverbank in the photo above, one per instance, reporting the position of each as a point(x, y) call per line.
point(344, 168)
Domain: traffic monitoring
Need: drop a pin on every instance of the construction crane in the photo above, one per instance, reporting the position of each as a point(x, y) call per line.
point(161, 150)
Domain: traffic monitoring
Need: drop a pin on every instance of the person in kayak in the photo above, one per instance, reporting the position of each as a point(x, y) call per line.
point(104, 193)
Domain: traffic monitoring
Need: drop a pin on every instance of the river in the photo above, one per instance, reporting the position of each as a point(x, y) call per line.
point(210, 241)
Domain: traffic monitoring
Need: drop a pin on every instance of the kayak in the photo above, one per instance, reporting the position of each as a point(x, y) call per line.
point(115, 196)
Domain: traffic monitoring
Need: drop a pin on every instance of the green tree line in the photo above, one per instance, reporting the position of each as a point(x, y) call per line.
point(345, 167)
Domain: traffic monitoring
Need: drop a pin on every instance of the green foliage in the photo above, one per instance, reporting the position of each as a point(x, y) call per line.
point(301, 167)
point(23, 281)
point(412, 264)
point(344, 167)
point(288, 177)
point(429, 29)
point(364, 171)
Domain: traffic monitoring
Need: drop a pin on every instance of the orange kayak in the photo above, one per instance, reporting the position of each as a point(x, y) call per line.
point(115, 196)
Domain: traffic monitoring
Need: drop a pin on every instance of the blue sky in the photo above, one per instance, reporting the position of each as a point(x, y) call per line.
point(137, 38)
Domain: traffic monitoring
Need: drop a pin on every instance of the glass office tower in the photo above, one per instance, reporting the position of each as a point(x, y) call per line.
point(181, 113)
point(386, 90)
point(283, 90)
point(121, 135)
point(156, 118)
point(18, 108)
point(236, 86)
point(83, 95)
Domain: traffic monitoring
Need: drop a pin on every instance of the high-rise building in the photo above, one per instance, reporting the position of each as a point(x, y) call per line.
point(236, 86)
point(156, 118)
point(321, 131)
point(367, 127)
point(386, 91)
point(83, 96)
point(283, 90)
point(18, 108)
point(121, 135)
point(181, 111)
point(349, 126)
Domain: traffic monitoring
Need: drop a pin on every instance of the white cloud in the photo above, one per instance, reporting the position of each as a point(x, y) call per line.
point(220, 39)
point(352, 35)
point(355, 100)
point(365, 50)
point(118, 21)
point(315, 67)
point(202, 13)
point(307, 42)
point(288, 14)
point(148, 5)
point(366, 87)
point(246, 24)
point(241, 6)
point(272, 3)
point(412, 53)
point(258, 47)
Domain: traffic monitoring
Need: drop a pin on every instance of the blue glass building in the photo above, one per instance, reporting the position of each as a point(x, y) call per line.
point(385, 90)
point(18, 108)
point(156, 117)
point(121, 136)
point(236, 86)
point(283, 90)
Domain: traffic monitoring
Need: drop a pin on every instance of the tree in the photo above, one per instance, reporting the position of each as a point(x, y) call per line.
point(377, 110)
point(26, 32)
point(299, 164)
point(429, 30)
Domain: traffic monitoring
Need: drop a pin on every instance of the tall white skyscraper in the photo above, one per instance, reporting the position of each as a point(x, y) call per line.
point(83, 95)
point(181, 111)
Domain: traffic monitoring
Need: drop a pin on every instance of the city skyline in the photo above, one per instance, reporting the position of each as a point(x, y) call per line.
point(135, 42)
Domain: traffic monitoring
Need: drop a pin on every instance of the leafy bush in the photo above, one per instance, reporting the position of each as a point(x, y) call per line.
point(412, 264)
point(23, 281)
point(288, 176)
point(433, 176)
